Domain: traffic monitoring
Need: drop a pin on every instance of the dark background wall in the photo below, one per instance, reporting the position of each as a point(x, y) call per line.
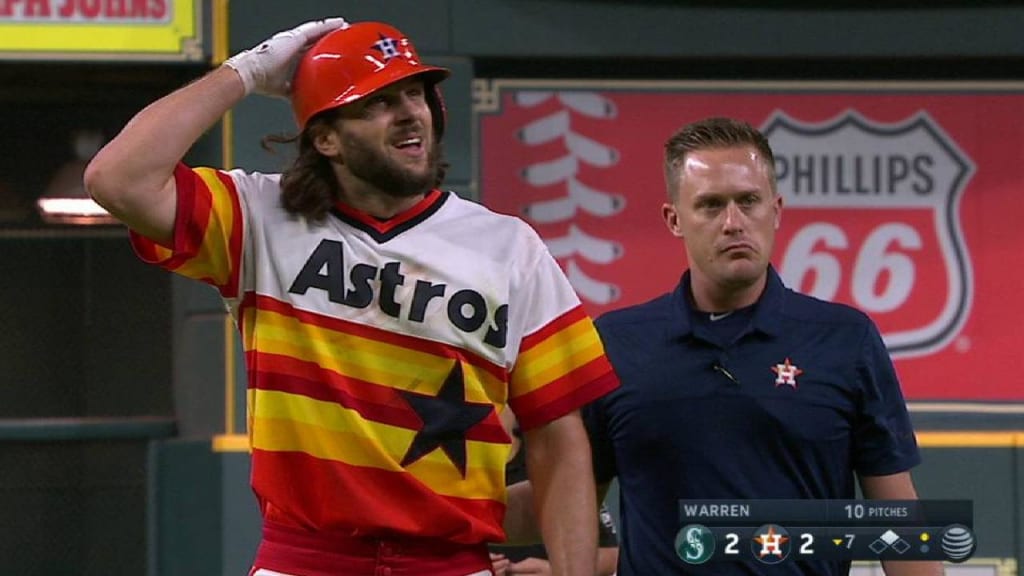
point(90, 333)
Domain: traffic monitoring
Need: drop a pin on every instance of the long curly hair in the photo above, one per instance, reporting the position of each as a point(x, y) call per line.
point(309, 187)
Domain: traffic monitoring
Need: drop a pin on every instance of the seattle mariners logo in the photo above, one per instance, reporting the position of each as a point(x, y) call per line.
point(876, 208)
point(695, 544)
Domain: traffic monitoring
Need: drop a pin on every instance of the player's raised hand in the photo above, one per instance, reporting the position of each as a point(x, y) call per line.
point(268, 67)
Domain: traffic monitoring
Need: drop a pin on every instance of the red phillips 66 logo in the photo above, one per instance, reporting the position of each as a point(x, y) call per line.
point(871, 218)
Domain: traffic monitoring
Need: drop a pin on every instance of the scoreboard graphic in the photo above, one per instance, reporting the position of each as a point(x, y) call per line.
point(775, 531)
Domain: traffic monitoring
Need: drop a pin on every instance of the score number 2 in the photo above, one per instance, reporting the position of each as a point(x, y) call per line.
point(732, 544)
point(807, 541)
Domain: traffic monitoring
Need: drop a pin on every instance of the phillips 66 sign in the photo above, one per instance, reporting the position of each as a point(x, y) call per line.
point(873, 220)
point(900, 200)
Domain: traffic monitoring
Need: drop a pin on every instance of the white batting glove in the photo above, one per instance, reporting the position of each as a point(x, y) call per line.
point(267, 69)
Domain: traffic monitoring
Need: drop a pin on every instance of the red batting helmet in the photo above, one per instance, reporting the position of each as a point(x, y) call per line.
point(354, 62)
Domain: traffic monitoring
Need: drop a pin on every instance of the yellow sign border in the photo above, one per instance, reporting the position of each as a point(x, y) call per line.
point(181, 38)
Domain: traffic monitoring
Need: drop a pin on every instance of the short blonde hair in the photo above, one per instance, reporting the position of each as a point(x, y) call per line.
point(713, 133)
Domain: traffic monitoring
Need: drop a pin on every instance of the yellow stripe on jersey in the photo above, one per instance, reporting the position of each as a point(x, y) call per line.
point(212, 261)
point(292, 423)
point(369, 360)
point(558, 355)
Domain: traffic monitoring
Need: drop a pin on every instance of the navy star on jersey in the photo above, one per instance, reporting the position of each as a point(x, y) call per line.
point(446, 419)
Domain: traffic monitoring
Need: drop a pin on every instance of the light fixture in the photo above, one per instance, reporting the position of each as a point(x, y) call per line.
point(65, 200)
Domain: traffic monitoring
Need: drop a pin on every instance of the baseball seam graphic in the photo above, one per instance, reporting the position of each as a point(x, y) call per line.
point(577, 243)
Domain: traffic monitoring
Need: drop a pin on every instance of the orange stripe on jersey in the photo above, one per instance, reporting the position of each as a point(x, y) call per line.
point(593, 370)
point(558, 324)
point(367, 360)
point(370, 501)
point(217, 202)
point(311, 321)
point(558, 354)
point(561, 353)
point(208, 230)
point(371, 401)
point(547, 404)
point(559, 368)
point(288, 423)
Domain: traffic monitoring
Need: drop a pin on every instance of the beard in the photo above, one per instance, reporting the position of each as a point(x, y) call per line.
point(389, 176)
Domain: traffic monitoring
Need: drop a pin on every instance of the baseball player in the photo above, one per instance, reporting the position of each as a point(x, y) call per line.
point(385, 322)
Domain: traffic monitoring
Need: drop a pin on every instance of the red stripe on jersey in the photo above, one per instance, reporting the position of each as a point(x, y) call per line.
point(591, 371)
point(192, 198)
point(373, 402)
point(370, 333)
point(388, 408)
point(193, 216)
point(299, 490)
point(384, 226)
point(145, 248)
point(188, 239)
point(541, 406)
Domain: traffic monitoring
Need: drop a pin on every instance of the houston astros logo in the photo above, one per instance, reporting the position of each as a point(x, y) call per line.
point(770, 544)
point(786, 374)
point(877, 217)
point(388, 47)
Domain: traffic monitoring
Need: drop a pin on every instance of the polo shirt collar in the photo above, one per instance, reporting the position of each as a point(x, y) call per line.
point(767, 315)
point(771, 304)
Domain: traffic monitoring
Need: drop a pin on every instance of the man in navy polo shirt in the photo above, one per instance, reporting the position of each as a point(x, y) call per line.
point(734, 386)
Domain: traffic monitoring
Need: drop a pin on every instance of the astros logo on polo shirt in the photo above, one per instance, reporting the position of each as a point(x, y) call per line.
point(786, 374)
